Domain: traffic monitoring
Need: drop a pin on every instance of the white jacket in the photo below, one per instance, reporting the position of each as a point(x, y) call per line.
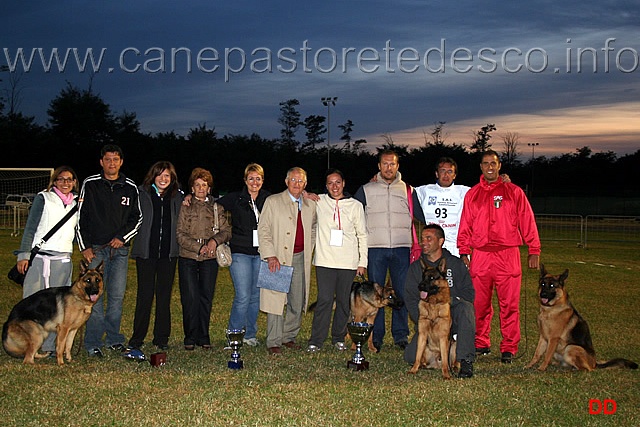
point(346, 215)
point(54, 210)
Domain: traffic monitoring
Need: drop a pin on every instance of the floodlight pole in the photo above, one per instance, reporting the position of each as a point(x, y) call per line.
point(328, 102)
point(533, 146)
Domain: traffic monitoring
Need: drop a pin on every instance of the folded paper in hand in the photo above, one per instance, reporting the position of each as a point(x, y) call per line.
point(279, 281)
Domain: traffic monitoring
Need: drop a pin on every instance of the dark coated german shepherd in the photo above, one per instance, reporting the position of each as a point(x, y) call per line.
point(564, 334)
point(62, 310)
point(366, 299)
point(435, 349)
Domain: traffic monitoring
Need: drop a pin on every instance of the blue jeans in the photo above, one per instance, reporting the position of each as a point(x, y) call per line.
point(101, 321)
point(246, 302)
point(396, 261)
point(197, 280)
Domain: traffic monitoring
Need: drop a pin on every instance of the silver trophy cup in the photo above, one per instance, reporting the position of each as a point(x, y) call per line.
point(359, 332)
point(235, 338)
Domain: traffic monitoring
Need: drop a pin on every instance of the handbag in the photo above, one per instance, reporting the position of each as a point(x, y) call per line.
point(15, 275)
point(223, 251)
point(18, 277)
point(416, 249)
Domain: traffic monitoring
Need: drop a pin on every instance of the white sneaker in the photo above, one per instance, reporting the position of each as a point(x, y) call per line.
point(313, 348)
point(251, 342)
point(340, 346)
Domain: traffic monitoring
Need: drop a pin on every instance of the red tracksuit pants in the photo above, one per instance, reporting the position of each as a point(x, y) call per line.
point(501, 271)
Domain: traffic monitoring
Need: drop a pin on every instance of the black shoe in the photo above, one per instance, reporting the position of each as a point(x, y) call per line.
point(95, 352)
point(378, 346)
point(402, 344)
point(506, 357)
point(466, 369)
point(162, 347)
point(118, 347)
point(483, 351)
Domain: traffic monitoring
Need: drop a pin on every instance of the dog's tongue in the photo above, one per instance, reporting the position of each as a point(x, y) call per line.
point(424, 295)
point(93, 297)
point(544, 300)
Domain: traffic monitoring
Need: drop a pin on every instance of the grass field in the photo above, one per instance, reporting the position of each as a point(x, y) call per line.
point(298, 389)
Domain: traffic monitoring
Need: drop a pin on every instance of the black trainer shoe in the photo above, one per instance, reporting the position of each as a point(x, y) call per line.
point(377, 345)
point(506, 357)
point(466, 369)
point(95, 352)
point(483, 351)
point(118, 347)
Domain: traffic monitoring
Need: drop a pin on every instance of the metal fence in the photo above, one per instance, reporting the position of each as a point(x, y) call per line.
point(606, 228)
point(561, 227)
point(589, 229)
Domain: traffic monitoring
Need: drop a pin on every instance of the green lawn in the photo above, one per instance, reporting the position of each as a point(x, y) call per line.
point(298, 389)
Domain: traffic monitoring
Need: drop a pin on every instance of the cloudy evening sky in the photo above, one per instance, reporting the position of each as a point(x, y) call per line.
point(396, 67)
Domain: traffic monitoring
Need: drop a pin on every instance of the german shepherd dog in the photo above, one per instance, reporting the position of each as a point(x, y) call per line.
point(63, 310)
point(564, 334)
point(435, 349)
point(366, 299)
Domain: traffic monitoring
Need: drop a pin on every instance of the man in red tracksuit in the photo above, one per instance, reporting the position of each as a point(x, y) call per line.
point(496, 219)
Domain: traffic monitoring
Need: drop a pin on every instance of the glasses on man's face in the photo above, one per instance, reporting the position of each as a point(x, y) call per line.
point(296, 181)
point(65, 180)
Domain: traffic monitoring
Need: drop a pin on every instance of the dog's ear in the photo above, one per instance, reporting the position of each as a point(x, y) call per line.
point(389, 285)
point(100, 267)
point(442, 266)
point(354, 286)
point(379, 290)
point(543, 271)
point(564, 276)
point(84, 266)
point(422, 264)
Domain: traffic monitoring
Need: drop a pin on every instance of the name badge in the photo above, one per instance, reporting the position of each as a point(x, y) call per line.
point(336, 238)
point(255, 238)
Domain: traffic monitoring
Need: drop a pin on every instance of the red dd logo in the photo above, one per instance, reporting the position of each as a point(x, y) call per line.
point(606, 407)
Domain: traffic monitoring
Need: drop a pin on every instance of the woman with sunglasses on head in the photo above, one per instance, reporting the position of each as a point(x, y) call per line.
point(52, 266)
point(245, 206)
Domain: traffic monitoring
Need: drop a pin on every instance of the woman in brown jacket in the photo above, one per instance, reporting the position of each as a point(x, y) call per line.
point(197, 266)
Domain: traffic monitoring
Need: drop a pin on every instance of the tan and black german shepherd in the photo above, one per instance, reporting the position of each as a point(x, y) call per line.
point(564, 334)
point(62, 310)
point(435, 349)
point(366, 299)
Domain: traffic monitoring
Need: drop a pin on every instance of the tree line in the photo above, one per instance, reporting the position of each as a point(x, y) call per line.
point(80, 122)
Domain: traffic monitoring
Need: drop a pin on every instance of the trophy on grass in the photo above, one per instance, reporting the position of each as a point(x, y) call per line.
point(235, 338)
point(359, 332)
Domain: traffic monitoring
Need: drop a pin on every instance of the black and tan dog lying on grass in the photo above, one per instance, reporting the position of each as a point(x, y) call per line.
point(435, 348)
point(62, 310)
point(564, 334)
point(366, 299)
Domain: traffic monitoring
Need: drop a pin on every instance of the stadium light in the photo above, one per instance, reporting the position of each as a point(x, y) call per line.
point(328, 102)
point(533, 146)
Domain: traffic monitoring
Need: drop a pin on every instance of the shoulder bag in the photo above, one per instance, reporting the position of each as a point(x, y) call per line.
point(223, 251)
point(18, 277)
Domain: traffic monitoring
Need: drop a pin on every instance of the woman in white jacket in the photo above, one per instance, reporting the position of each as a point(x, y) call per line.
point(340, 255)
point(52, 266)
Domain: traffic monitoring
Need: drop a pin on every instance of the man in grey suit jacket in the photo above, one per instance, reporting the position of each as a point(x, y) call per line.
point(286, 236)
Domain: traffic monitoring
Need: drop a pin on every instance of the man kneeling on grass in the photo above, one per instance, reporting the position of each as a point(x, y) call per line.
point(462, 295)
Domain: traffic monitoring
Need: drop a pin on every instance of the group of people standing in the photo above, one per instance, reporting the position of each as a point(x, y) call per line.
point(478, 231)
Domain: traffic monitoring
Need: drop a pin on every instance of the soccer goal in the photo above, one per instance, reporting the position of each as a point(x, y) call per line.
point(18, 187)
